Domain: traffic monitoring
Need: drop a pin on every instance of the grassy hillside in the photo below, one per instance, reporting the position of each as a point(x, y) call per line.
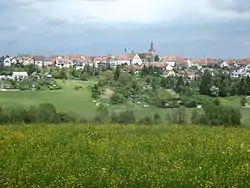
point(124, 156)
point(66, 100)
point(80, 103)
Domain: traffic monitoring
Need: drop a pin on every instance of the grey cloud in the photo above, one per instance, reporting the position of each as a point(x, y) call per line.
point(240, 6)
point(55, 22)
point(8, 28)
point(20, 28)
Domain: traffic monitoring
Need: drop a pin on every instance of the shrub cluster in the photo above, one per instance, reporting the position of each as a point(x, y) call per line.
point(213, 113)
point(216, 114)
point(43, 113)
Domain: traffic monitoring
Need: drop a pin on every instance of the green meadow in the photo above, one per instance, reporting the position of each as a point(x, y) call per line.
point(79, 102)
point(124, 156)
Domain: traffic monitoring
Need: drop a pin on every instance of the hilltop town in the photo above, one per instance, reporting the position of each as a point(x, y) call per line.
point(171, 65)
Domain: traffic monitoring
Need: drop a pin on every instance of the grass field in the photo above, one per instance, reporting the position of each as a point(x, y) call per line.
point(66, 100)
point(124, 156)
point(79, 102)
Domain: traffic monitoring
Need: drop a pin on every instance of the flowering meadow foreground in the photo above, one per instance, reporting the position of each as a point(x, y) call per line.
point(124, 156)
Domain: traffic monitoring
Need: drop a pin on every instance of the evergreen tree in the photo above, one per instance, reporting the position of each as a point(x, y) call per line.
point(206, 83)
point(180, 85)
point(248, 85)
point(117, 72)
point(242, 87)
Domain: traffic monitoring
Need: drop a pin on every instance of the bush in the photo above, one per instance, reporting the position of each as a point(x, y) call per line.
point(77, 87)
point(117, 98)
point(62, 118)
point(243, 101)
point(190, 103)
point(179, 116)
point(217, 114)
point(146, 121)
point(46, 111)
point(127, 117)
point(95, 91)
point(196, 117)
point(157, 119)
point(102, 114)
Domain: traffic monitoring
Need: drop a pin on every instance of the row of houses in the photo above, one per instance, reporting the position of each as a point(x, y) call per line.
point(129, 59)
point(18, 76)
point(79, 61)
point(168, 63)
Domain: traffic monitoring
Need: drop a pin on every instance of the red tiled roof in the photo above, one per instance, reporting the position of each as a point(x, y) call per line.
point(41, 58)
point(126, 57)
point(203, 60)
point(100, 58)
point(242, 61)
point(174, 58)
point(159, 64)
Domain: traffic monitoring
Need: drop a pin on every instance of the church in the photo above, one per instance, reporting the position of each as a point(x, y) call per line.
point(150, 55)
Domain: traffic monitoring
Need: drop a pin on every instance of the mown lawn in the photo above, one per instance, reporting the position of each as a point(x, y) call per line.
point(124, 156)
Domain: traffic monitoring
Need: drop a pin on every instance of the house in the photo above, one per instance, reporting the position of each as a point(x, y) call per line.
point(100, 61)
point(224, 64)
point(236, 74)
point(25, 60)
point(128, 59)
point(41, 61)
point(176, 61)
point(169, 68)
point(48, 62)
point(242, 72)
point(171, 63)
point(62, 62)
point(79, 61)
point(14, 61)
point(79, 64)
point(19, 75)
point(7, 62)
point(248, 67)
point(189, 63)
point(38, 60)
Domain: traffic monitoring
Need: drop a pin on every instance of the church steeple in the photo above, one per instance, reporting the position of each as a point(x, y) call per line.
point(152, 50)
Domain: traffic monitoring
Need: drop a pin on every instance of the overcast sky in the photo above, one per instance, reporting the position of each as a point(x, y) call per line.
point(191, 28)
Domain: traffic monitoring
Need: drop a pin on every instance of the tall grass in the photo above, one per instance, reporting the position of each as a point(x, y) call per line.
point(124, 156)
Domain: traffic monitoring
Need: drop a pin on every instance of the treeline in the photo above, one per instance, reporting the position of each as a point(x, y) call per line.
point(213, 113)
point(223, 85)
point(43, 113)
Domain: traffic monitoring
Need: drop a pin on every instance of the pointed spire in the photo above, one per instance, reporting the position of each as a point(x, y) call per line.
point(151, 47)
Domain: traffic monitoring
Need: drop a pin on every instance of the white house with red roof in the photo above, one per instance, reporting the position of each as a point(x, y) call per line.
point(62, 62)
point(128, 59)
point(42, 61)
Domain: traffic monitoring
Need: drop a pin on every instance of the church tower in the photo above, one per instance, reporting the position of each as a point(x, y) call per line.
point(152, 50)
